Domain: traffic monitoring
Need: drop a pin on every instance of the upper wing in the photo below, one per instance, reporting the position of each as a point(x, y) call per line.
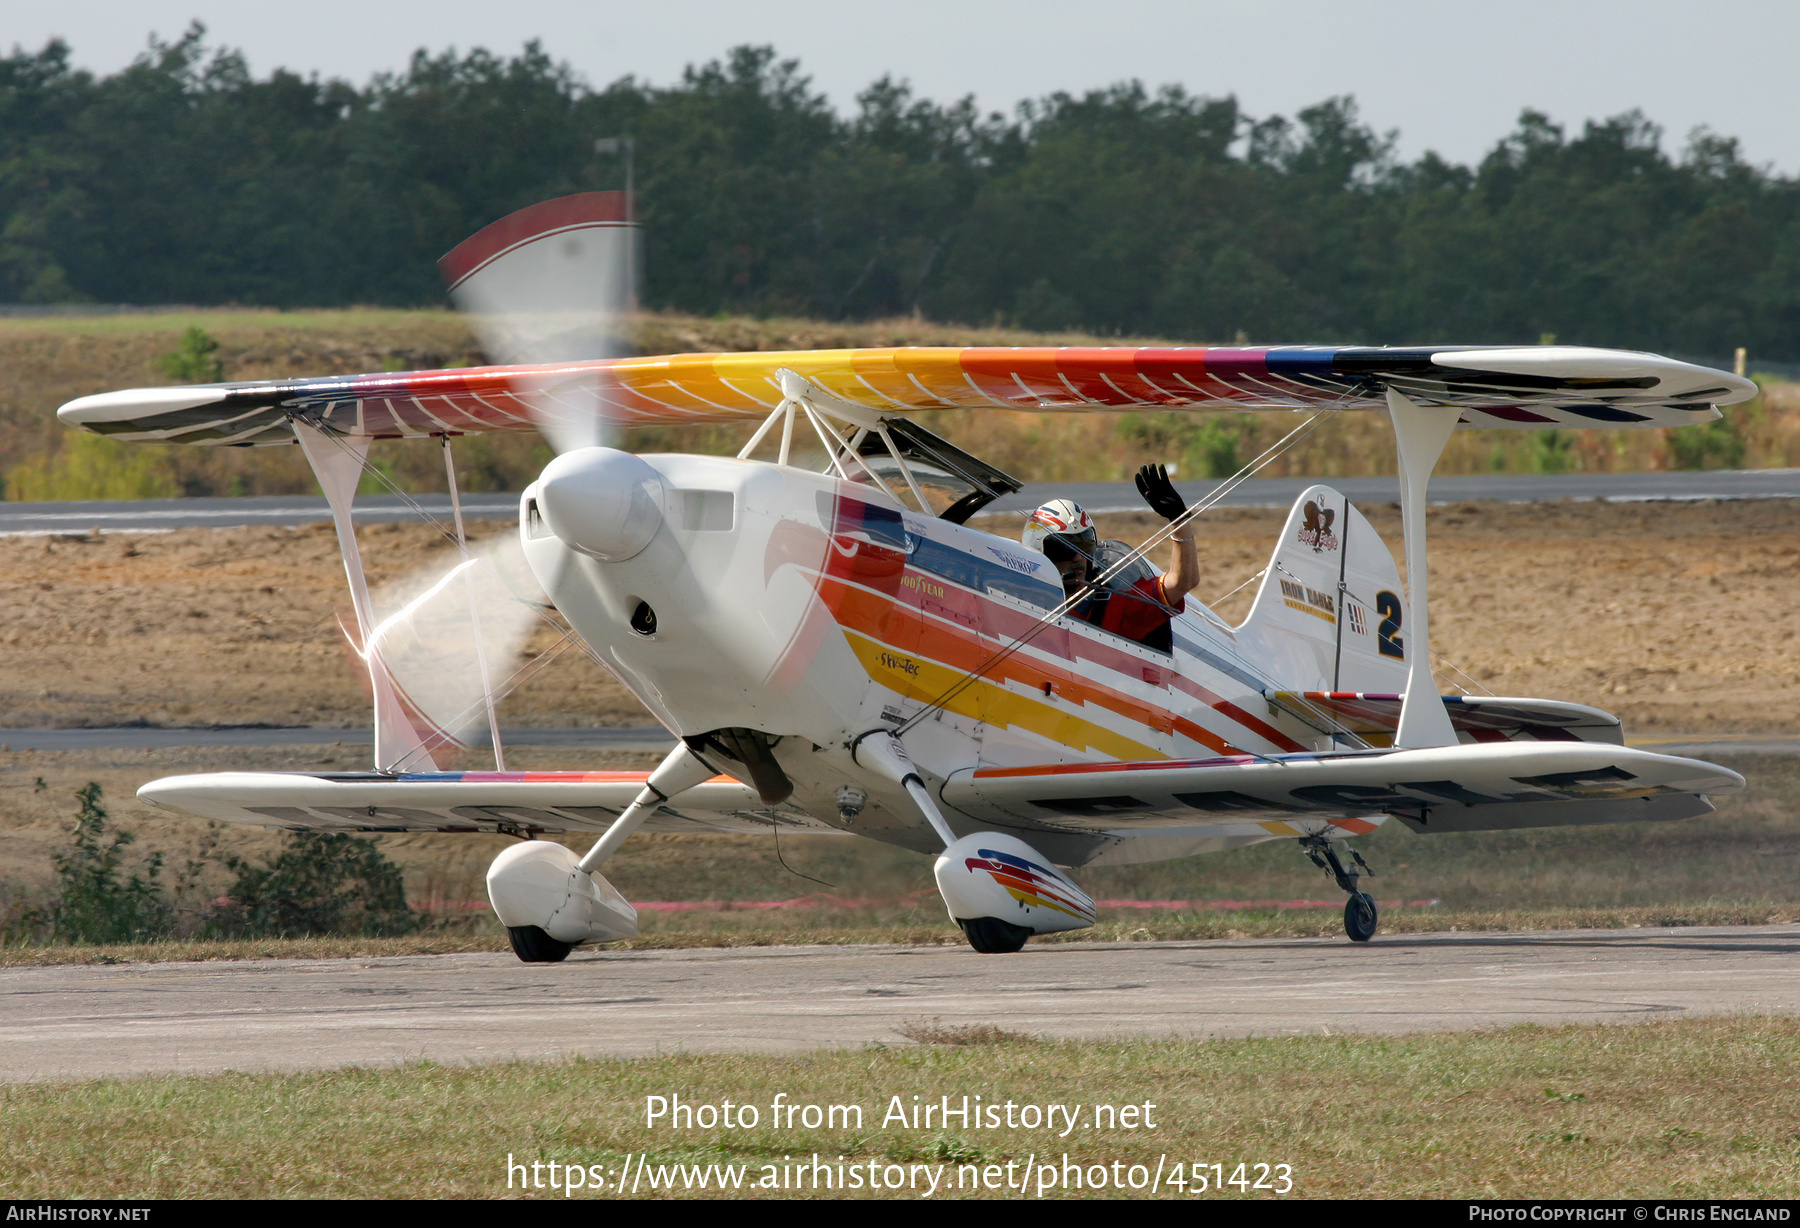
point(1452, 788)
point(1520, 388)
point(517, 802)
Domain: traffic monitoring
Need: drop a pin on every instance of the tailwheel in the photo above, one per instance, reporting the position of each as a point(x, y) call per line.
point(1360, 917)
point(531, 944)
point(992, 936)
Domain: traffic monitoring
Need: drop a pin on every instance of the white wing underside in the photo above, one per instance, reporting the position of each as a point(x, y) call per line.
point(1452, 788)
point(367, 801)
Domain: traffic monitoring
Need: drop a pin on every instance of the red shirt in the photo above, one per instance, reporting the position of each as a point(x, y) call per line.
point(1140, 613)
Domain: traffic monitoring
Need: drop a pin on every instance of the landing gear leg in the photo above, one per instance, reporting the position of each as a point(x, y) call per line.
point(1360, 915)
point(995, 886)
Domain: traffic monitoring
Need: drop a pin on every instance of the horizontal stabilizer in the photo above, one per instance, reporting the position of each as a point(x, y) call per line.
point(1476, 718)
point(1535, 387)
point(516, 802)
point(1451, 788)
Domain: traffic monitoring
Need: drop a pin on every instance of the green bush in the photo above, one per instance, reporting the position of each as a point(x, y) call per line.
point(193, 361)
point(92, 466)
point(380, 477)
point(1212, 449)
point(96, 901)
point(1550, 452)
point(1715, 445)
point(321, 883)
point(1205, 445)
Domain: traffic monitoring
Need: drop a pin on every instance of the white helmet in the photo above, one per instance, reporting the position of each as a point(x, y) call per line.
point(1061, 518)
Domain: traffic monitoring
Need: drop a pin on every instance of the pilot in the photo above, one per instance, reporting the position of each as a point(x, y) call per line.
point(1140, 610)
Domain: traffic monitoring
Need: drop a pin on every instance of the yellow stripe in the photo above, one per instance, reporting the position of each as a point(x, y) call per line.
point(1039, 901)
point(918, 678)
point(1277, 827)
point(1304, 608)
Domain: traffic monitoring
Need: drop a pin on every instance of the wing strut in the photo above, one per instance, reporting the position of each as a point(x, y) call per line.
point(1343, 591)
point(337, 462)
point(1419, 438)
point(462, 545)
point(801, 394)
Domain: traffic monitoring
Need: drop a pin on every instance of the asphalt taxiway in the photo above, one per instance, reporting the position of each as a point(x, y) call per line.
point(92, 1022)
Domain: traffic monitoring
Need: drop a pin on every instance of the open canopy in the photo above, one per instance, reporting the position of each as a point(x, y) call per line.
point(1517, 388)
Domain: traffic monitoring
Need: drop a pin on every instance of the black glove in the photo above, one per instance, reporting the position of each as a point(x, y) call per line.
point(1153, 483)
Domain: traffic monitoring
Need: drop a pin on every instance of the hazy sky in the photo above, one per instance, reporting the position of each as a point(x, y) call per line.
point(1451, 76)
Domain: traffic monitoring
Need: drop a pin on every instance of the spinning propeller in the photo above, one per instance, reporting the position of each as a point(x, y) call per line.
point(551, 284)
point(554, 283)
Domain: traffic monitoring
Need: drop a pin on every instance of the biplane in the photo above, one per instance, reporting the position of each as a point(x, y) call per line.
point(838, 649)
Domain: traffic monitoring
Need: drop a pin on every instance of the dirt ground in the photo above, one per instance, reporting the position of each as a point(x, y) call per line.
point(228, 627)
point(1680, 617)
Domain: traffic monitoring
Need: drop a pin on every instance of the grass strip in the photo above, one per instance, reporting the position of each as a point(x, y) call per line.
point(1679, 1109)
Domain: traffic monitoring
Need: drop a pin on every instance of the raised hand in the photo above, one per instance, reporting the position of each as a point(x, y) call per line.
point(1154, 485)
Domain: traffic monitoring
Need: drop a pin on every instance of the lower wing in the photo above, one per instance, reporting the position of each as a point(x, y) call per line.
point(514, 802)
point(1452, 788)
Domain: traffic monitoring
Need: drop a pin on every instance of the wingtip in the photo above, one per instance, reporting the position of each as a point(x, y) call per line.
point(132, 404)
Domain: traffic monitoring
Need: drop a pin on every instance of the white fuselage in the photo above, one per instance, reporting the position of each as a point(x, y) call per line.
point(813, 610)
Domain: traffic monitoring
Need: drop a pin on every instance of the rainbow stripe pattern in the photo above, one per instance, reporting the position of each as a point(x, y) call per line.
point(1031, 884)
point(1541, 386)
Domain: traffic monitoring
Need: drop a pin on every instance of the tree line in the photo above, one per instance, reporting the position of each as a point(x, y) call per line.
point(185, 179)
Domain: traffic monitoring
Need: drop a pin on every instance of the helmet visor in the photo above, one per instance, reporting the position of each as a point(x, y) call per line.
point(1061, 547)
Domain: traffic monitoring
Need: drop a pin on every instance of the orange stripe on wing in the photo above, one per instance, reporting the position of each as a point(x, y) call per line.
point(1082, 769)
point(1107, 376)
point(1026, 376)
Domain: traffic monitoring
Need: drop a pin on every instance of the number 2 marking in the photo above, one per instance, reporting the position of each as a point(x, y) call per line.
point(1387, 635)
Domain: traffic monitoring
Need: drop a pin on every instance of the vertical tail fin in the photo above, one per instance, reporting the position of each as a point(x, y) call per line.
point(1331, 612)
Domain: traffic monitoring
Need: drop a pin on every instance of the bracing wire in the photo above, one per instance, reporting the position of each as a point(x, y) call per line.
point(1207, 608)
point(1452, 666)
point(448, 532)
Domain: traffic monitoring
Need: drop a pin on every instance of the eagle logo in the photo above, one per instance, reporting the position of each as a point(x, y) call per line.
point(1316, 531)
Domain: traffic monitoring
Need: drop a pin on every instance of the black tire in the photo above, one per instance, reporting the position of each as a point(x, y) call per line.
point(1360, 917)
point(992, 936)
point(531, 944)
